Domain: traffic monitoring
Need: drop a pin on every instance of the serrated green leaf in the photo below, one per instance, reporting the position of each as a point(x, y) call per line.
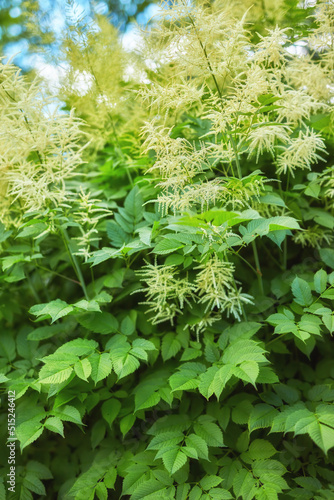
point(208, 382)
point(126, 423)
point(68, 413)
point(101, 491)
point(28, 432)
point(209, 482)
point(210, 432)
point(247, 371)
point(45, 332)
point(199, 444)
point(110, 478)
point(101, 366)
point(83, 368)
point(110, 409)
point(56, 372)
point(261, 416)
point(54, 424)
point(320, 281)
point(170, 346)
point(133, 204)
point(145, 400)
point(33, 483)
point(261, 449)
point(166, 246)
point(148, 488)
point(126, 365)
point(78, 347)
point(99, 322)
point(302, 292)
point(173, 460)
point(56, 309)
point(243, 350)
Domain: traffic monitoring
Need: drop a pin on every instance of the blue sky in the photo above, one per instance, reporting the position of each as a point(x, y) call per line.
point(55, 11)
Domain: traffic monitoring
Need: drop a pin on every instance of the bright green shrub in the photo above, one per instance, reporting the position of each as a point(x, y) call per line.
point(167, 314)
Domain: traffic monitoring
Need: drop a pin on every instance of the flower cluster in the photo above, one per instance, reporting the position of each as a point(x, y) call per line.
point(40, 148)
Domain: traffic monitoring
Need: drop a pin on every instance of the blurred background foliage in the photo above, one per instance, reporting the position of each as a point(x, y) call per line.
point(28, 27)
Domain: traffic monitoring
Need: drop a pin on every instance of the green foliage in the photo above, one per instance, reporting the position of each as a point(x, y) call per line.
point(167, 312)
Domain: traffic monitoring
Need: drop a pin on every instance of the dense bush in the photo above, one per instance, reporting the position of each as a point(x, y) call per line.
point(167, 262)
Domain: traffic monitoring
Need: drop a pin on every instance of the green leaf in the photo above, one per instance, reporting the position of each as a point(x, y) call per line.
point(173, 460)
point(282, 222)
point(101, 491)
point(57, 371)
point(327, 256)
point(33, 483)
point(302, 292)
point(110, 409)
point(247, 371)
point(261, 449)
point(28, 432)
point(40, 470)
point(68, 413)
point(126, 365)
point(165, 440)
point(182, 491)
point(243, 350)
point(55, 309)
point(144, 344)
point(144, 399)
point(110, 478)
point(78, 347)
point(117, 235)
point(266, 469)
point(146, 489)
point(322, 435)
point(96, 322)
point(134, 204)
point(244, 485)
point(45, 332)
point(126, 423)
point(54, 424)
point(128, 326)
point(220, 494)
point(221, 378)
point(261, 416)
point(101, 366)
point(208, 382)
point(209, 482)
point(170, 346)
point(199, 444)
point(186, 378)
point(166, 246)
point(83, 368)
point(210, 432)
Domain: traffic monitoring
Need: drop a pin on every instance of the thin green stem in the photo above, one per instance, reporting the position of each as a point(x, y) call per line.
point(32, 289)
point(258, 267)
point(74, 261)
point(245, 261)
point(57, 274)
point(285, 253)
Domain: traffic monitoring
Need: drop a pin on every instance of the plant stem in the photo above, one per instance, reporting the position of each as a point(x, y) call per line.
point(32, 289)
point(258, 267)
point(234, 146)
point(74, 262)
point(285, 253)
point(57, 274)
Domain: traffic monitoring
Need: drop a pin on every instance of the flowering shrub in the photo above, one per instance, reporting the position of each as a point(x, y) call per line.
point(167, 263)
